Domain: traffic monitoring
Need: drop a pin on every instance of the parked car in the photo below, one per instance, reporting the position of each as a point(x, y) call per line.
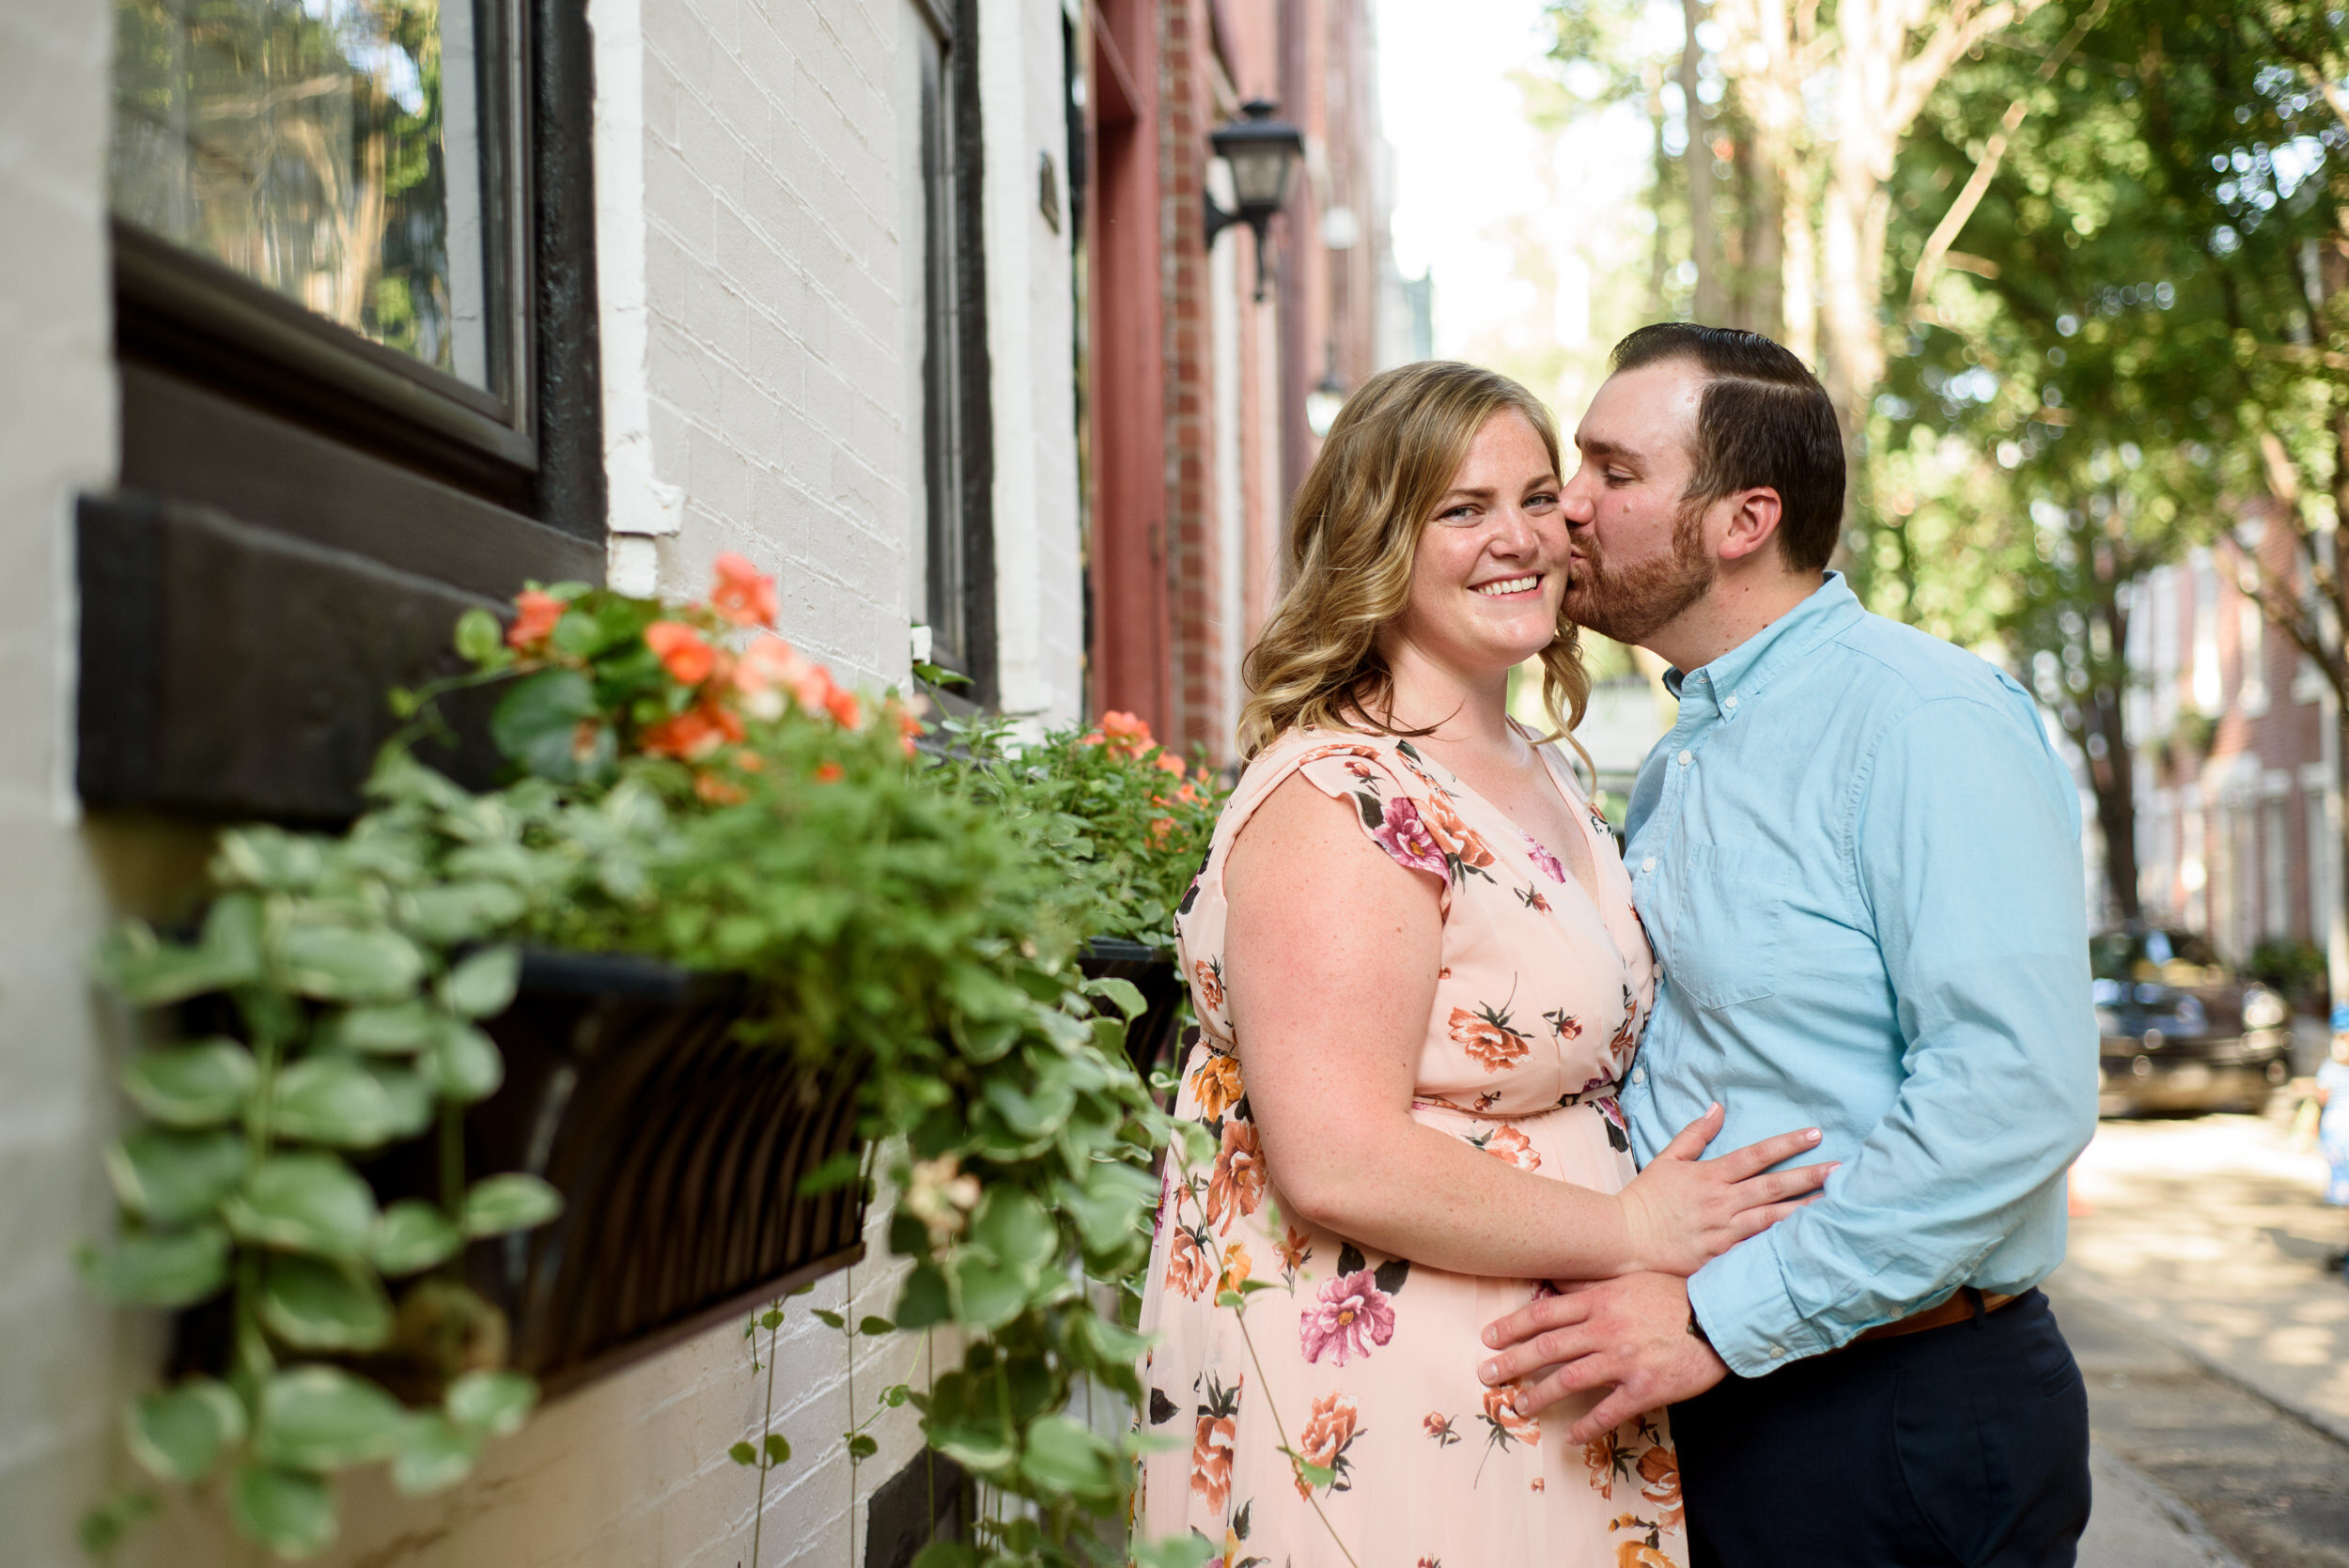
point(2180, 1031)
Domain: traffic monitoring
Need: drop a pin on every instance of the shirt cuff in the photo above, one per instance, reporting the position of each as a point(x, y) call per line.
point(1741, 1300)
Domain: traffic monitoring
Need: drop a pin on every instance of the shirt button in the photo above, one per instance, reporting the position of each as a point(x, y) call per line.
point(1638, 1075)
point(1778, 1352)
point(1685, 759)
point(1730, 702)
point(1648, 865)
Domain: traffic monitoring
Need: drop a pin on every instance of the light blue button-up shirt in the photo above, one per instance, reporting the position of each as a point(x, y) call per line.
point(1859, 859)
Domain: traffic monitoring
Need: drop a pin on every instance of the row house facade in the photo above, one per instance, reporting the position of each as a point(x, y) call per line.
point(319, 324)
point(2238, 819)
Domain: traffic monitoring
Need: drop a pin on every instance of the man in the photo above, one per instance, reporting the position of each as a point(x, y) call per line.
point(1858, 861)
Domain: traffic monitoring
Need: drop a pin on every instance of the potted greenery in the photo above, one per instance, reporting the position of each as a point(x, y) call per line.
point(697, 806)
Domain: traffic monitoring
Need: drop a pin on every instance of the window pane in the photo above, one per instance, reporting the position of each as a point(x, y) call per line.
point(330, 149)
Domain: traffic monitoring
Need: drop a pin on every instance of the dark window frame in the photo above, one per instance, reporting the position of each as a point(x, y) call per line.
point(957, 523)
point(275, 447)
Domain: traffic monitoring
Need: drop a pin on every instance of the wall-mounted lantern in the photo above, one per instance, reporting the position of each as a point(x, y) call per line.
point(1262, 151)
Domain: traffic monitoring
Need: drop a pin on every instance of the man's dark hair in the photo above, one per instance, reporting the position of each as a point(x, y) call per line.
point(1764, 420)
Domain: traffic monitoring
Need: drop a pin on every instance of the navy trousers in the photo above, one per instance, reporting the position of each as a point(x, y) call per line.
point(1960, 1447)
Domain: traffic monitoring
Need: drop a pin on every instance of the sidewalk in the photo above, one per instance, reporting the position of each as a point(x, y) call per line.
point(2135, 1524)
point(2208, 1235)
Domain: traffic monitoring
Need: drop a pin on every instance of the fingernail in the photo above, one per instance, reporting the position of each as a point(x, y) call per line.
point(1492, 1337)
point(1812, 1136)
point(1491, 1372)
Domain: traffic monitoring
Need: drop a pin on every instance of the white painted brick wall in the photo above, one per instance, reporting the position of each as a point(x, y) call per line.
point(56, 437)
point(773, 369)
point(757, 402)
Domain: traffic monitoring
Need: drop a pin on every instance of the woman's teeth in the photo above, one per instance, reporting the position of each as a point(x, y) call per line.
point(1506, 585)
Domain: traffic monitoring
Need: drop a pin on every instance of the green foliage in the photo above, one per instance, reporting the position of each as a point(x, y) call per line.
point(680, 795)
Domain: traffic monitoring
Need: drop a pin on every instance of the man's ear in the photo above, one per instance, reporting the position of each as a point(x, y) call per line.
point(1752, 522)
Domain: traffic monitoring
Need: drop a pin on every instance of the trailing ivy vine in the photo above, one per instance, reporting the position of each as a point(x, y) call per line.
point(688, 787)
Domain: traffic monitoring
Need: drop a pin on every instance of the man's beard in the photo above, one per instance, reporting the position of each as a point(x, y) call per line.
point(1631, 603)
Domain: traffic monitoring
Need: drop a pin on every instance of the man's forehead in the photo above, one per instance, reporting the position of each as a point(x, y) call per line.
point(1646, 411)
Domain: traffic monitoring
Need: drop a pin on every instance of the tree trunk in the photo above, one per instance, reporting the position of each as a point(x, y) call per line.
point(2112, 776)
point(1711, 303)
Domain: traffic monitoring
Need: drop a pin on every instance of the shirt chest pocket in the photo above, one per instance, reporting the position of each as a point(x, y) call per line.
point(1721, 942)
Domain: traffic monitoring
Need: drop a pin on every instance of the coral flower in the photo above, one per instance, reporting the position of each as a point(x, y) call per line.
point(741, 594)
point(1325, 1437)
point(681, 651)
point(533, 621)
point(1167, 762)
point(828, 772)
point(717, 791)
point(1216, 1086)
point(692, 735)
point(842, 706)
point(1127, 734)
point(1236, 1186)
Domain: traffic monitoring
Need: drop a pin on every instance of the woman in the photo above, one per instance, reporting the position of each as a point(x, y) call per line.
point(1419, 978)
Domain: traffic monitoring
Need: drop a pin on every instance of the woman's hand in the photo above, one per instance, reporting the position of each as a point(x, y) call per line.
point(1685, 1210)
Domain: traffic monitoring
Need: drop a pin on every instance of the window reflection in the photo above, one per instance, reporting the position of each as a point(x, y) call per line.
point(330, 149)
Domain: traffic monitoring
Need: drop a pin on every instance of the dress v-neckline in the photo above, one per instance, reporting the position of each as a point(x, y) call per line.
point(1591, 893)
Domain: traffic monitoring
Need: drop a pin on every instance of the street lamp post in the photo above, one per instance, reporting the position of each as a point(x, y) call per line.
point(1262, 151)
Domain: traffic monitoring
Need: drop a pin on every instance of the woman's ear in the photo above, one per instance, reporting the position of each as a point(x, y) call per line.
point(1752, 522)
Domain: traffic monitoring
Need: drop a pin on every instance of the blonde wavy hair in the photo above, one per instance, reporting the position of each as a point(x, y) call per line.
point(1353, 536)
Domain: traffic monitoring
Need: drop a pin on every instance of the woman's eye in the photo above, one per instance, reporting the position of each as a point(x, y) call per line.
point(1458, 513)
point(1540, 499)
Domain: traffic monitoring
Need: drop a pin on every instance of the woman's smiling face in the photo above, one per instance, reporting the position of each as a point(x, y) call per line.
point(1491, 567)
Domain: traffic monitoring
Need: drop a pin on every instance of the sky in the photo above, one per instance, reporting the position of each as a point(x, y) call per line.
point(1531, 235)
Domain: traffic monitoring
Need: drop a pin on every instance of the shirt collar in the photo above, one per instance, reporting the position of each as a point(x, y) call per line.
point(1746, 669)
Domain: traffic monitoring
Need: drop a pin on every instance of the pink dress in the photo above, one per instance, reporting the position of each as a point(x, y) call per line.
point(1335, 1418)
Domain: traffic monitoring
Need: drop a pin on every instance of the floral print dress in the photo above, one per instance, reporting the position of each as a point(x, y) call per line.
point(1333, 1415)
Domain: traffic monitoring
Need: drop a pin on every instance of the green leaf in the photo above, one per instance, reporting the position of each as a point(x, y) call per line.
point(350, 963)
point(397, 1030)
point(180, 1433)
point(1015, 1227)
point(463, 1065)
point(861, 1446)
point(412, 1236)
point(876, 1325)
point(333, 1100)
point(313, 1304)
point(322, 1417)
point(1188, 1550)
point(201, 1085)
point(493, 1403)
point(742, 1453)
point(778, 1451)
point(304, 1203)
point(836, 1170)
point(290, 1513)
point(772, 1319)
point(483, 985)
point(536, 723)
point(155, 974)
point(1123, 994)
point(410, 1098)
point(496, 1205)
point(829, 1319)
point(982, 1444)
point(1112, 1341)
point(1063, 1455)
point(102, 1527)
point(991, 1293)
point(895, 1395)
point(924, 1302)
point(268, 857)
point(160, 1268)
point(479, 637)
point(433, 1452)
point(937, 675)
point(171, 1177)
point(463, 911)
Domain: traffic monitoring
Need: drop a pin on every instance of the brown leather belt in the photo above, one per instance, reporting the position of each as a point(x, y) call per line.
point(1957, 1308)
